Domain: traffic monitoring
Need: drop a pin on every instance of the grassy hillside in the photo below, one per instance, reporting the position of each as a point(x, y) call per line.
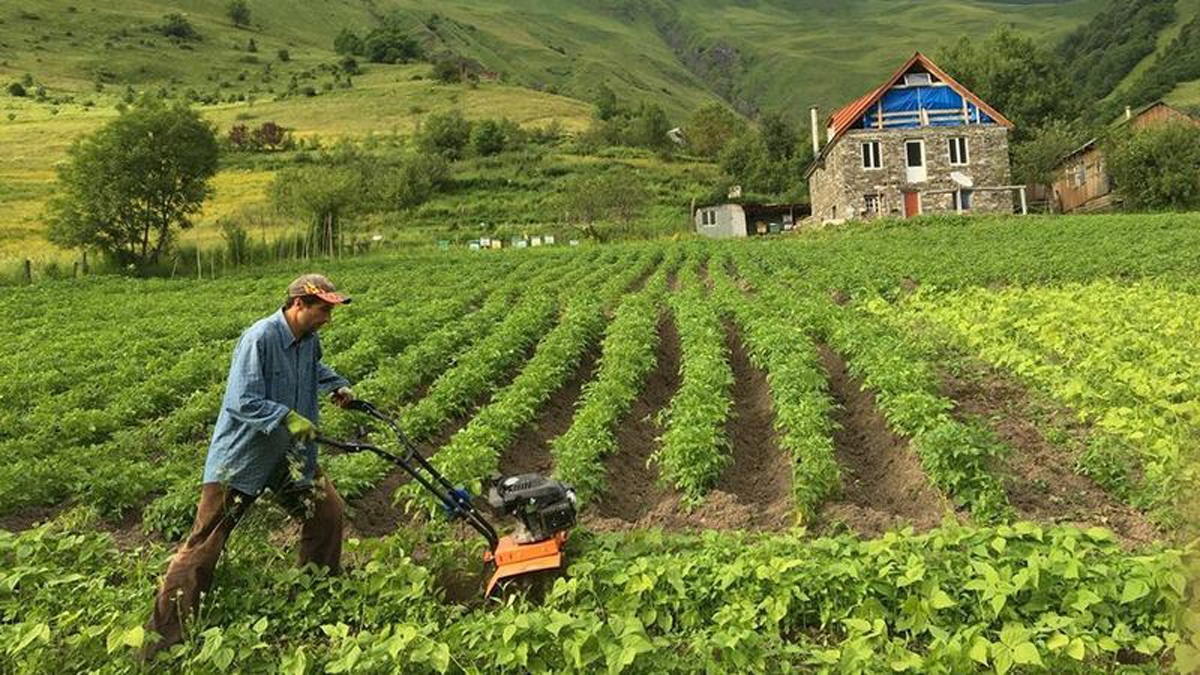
point(83, 59)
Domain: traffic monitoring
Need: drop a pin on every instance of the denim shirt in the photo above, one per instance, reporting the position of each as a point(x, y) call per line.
point(272, 373)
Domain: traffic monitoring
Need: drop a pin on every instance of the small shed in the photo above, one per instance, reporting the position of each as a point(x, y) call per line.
point(1081, 183)
point(732, 220)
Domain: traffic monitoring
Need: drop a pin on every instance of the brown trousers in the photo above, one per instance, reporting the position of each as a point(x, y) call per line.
point(319, 508)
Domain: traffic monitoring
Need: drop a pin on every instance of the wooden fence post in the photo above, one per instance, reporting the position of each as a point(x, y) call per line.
point(28, 271)
point(85, 265)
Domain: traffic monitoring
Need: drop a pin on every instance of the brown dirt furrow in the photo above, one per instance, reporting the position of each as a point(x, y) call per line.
point(1040, 479)
point(30, 516)
point(760, 475)
point(883, 485)
point(633, 489)
point(373, 514)
point(635, 500)
point(530, 450)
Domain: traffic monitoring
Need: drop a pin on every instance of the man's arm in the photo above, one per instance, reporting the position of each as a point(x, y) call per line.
point(246, 393)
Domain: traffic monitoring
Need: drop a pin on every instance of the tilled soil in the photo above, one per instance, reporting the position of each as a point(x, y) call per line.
point(883, 485)
point(633, 489)
point(1040, 477)
point(530, 450)
point(754, 493)
point(760, 475)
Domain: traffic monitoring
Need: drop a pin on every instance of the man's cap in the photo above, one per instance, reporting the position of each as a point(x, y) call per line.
point(316, 285)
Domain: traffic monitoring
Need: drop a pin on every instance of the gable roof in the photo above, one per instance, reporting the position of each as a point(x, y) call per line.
point(843, 119)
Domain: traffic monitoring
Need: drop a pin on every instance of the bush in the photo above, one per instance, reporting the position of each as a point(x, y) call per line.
point(1157, 168)
point(238, 12)
point(390, 43)
point(348, 44)
point(283, 55)
point(445, 134)
point(447, 70)
point(17, 89)
point(176, 25)
point(487, 138)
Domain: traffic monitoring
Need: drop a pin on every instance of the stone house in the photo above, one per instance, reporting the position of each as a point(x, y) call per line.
point(918, 143)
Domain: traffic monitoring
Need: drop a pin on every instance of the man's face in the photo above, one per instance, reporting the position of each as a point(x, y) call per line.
point(310, 318)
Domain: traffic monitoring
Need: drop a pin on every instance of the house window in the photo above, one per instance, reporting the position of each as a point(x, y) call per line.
point(871, 205)
point(964, 200)
point(958, 151)
point(870, 155)
point(708, 217)
point(917, 79)
point(1080, 175)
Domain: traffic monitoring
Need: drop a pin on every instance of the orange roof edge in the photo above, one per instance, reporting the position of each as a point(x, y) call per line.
point(844, 117)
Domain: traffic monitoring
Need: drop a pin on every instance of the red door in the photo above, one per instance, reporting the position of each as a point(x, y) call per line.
point(912, 204)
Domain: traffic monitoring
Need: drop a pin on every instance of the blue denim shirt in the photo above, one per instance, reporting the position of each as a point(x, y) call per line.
point(272, 373)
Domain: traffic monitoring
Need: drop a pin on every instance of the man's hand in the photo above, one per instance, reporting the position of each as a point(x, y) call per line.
point(300, 427)
point(342, 397)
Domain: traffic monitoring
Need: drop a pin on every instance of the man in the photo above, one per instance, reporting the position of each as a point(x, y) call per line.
point(264, 438)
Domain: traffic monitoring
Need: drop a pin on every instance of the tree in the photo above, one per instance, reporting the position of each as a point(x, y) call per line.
point(284, 55)
point(238, 12)
point(487, 138)
point(1015, 75)
point(614, 197)
point(711, 128)
point(347, 43)
point(780, 135)
point(1156, 168)
point(445, 134)
point(324, 195)
point(176, 25)
point(649, 127)
point(390, 43)
point(128, 187)
point(1036, 160)
point(606, 102)
point(252, 46)
point(447, 70)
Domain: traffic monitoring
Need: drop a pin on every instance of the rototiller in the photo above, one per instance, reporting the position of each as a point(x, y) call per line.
point(544, 508)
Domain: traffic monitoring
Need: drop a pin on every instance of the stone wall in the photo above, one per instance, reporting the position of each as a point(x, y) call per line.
point(839, 188)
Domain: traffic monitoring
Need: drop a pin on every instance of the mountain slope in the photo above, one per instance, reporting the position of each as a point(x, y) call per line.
point(756, 55)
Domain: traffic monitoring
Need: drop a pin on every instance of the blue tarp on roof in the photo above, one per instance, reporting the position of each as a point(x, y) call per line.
point(928, 98)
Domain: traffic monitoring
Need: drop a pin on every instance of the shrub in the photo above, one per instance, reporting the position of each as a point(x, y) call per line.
point(176, 25)
point(445, 134)
point(1157, 168)
point(487, 138)
point(283, 55)
point(16, 89)
point(238, 12)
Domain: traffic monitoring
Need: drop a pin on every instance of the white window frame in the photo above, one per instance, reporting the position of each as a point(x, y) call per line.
point(872, 203)
point(871, 150)
point(963, 148)
point(918, 79)
point(708, 217)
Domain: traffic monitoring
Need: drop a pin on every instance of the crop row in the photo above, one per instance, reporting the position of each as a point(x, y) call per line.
point(957, 457)
point(1122, 356)
point(957, 599)
point(627, 355)
point(477, 370)
point(474, 452)
point(780, 343)
point(695, 447)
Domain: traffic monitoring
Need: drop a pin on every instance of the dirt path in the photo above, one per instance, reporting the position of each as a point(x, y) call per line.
point(883, 485)
point(760, 475)
point(1040, 479)
point(530, 450)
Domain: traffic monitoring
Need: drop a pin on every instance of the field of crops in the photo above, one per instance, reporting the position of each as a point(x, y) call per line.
point(955, 446)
